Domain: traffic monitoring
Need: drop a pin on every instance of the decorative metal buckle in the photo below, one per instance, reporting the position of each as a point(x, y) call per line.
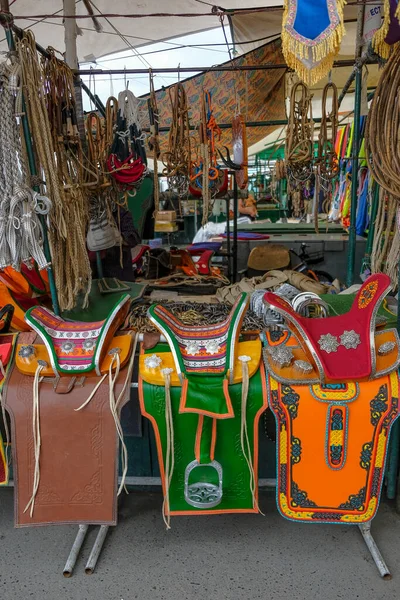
point(386, 348)
point(203, 494)
point(281, 355)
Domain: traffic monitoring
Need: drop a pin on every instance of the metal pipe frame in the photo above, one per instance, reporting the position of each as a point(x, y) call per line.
point(365, 529)
point(351, 258)
point(217, 68)
point(96, 550)
point(76, 548)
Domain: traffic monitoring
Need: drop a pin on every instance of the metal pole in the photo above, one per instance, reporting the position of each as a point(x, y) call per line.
point(383, 569)
point(73, 555)
point(351, 258)
point(71, 58)
point(94, 98)
point(371, 230)
point(218, 68)
point(33, 170)
point(95, 553)
point(228, 239)
point(235, 230)
point(361, 61)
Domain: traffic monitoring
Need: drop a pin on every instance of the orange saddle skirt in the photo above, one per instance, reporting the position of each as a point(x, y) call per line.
point(333, 388)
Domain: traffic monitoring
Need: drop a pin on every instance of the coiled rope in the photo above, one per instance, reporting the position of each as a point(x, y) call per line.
point(49, 91)
point(382, 131)
point(177, 158)
point(299, 136)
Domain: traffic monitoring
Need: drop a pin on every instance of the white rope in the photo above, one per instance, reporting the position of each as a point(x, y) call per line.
point(170, 454)
point(37, 441)
point(92, 393)
point(21, 234)
point(129, 109)
point(244, 436)
point(5, 423)
point(115, 404)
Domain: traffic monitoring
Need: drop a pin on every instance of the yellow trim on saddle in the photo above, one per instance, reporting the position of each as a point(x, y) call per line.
point(155, 377)
point(29, 366)
point(384, 363)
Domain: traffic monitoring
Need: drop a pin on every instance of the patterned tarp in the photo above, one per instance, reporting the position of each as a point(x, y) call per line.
point(261, 93)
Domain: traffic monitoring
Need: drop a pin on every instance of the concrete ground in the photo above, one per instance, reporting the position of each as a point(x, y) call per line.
point(216, 557)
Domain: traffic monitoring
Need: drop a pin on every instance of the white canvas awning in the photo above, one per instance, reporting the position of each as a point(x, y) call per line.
point(121, 33)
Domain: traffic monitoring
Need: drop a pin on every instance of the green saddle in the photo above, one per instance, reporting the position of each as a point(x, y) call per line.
point(204, 392)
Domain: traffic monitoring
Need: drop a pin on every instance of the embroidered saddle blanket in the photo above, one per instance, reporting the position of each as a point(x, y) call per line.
point(204, 393)
point(64, 396)
point(333, 388)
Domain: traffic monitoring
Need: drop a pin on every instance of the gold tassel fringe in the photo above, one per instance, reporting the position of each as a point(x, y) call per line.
point(323, 53)
point(378, 41)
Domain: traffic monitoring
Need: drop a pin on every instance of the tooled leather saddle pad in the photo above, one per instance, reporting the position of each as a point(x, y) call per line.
point(78, 450)
point(333, 427)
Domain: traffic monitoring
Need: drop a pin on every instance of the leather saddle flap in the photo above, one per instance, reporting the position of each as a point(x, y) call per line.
point(340, 348)
point(78, 451)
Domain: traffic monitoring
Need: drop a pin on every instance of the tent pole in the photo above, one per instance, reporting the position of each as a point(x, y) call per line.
point(71, 58)
point(32, 165)
point(366, 265)
point(351, 259)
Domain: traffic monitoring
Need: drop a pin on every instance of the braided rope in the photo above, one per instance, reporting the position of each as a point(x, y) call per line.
point(21, 234)
point(49, 90)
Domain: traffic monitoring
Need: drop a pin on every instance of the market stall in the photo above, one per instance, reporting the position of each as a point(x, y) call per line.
point(132, 356)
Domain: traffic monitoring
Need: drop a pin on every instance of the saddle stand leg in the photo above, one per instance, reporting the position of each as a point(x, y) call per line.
point(365, 529)
point(97, 546)
point(76, 548)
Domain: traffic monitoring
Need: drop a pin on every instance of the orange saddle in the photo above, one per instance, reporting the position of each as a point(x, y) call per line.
point(333, 388)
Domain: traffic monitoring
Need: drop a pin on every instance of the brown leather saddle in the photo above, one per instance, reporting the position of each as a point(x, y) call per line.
point(64, 396)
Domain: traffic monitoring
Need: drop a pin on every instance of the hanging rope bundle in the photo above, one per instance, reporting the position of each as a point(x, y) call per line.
point(154, 142)
point(127, 159)
point(382, 131)
point(207, 176)
point(326, 159)
point(49, 91)
point(21, 234)
point(299, 136)
point(177, 158)
point(386, 244)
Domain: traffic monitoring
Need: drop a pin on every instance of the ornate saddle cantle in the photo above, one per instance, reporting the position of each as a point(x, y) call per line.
point(74, 347)
point(204, 393)
point(333, 386)
point(65, 417)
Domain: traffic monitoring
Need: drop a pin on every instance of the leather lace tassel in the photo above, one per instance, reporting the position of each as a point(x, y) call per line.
point(244, 436)
point(5, 424)
point(170, 455)
point(114, 404)
point(36, 439)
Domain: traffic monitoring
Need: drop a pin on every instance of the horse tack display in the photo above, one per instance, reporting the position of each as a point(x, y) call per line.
point(333, 388)
point(65, 417)
point(204, 393)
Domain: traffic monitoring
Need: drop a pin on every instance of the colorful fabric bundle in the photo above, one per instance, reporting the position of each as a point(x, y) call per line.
point(312, 31)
